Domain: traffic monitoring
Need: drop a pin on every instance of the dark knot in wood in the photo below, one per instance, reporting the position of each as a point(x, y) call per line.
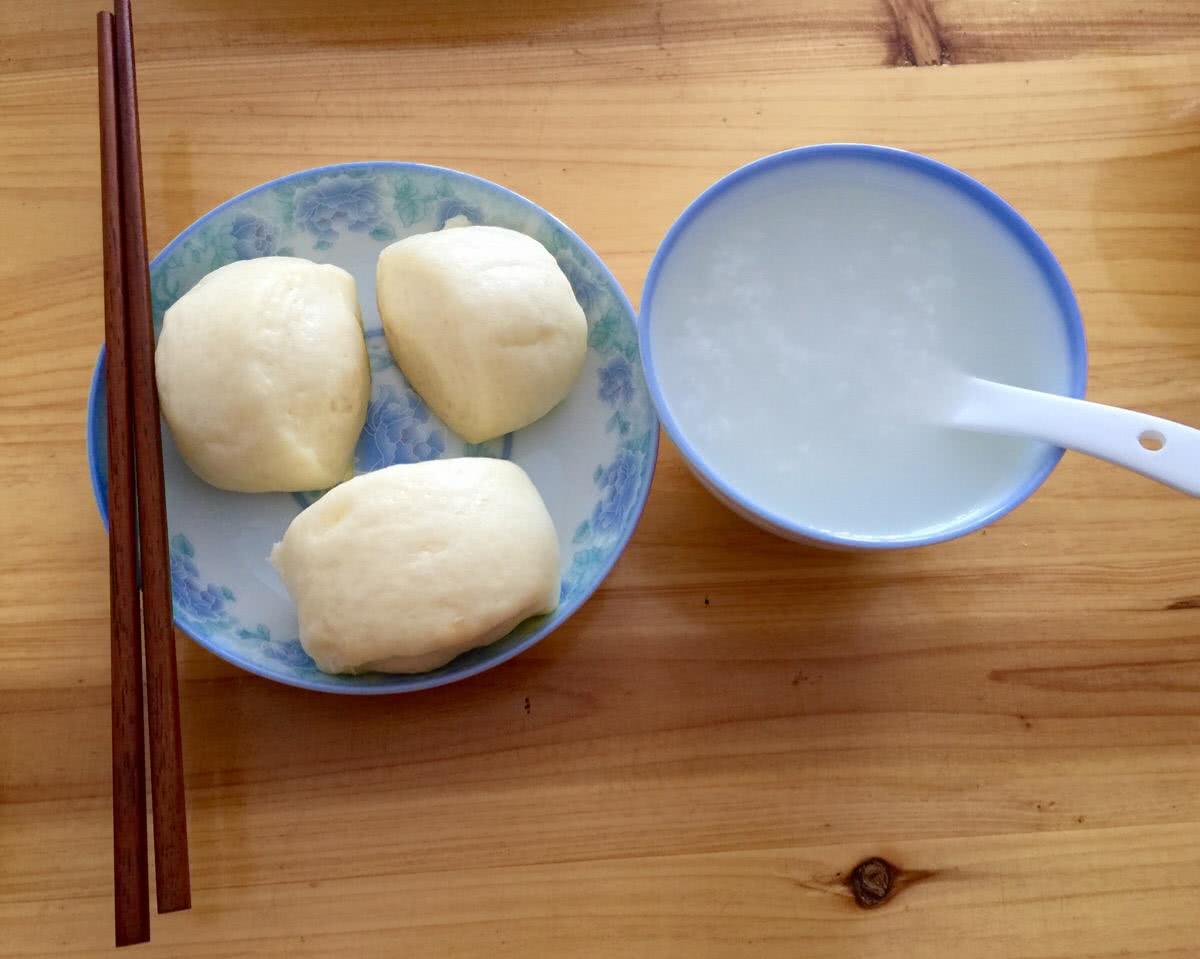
point(919, 38)
point(871, 882)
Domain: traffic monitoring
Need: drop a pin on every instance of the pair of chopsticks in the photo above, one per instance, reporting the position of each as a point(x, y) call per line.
point(137, 511)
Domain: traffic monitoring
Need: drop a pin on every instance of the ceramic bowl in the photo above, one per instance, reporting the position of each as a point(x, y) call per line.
point(707, 211)
point(591, 458)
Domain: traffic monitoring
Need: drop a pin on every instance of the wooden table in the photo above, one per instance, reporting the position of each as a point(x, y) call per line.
point(697, 762)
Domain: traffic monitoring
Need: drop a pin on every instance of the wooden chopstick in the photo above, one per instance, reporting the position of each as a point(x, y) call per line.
point(172, 879)
point(130, 878)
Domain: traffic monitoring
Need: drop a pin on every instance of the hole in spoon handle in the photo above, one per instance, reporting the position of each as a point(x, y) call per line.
point(1152, 440)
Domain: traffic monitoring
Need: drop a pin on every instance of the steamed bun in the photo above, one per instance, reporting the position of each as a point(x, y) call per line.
point(402, 569)
point(483, 323)
point(263, 375)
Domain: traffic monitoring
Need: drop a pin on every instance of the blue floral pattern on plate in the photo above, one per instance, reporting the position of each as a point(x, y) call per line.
point(398, 430)
point(197, 603)
point(352, 201)
point(252, 236)
point(592, 457)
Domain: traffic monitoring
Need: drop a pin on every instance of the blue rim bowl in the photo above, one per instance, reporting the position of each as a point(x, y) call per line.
point(591, 558)
point(989, 201)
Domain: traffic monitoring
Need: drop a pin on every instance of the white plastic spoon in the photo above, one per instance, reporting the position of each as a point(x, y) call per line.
point(1160, 449)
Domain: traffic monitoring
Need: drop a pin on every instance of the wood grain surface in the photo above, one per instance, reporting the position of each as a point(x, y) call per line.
point(695, 764)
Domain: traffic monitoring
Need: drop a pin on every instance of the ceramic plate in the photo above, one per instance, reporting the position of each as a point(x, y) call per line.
point(591, 458)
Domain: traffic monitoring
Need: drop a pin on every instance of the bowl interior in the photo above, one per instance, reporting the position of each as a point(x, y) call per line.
point(591, 458)
point(1003, 260)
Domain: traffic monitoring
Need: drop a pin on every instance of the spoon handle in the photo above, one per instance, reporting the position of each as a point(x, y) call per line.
point(1160, 449)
